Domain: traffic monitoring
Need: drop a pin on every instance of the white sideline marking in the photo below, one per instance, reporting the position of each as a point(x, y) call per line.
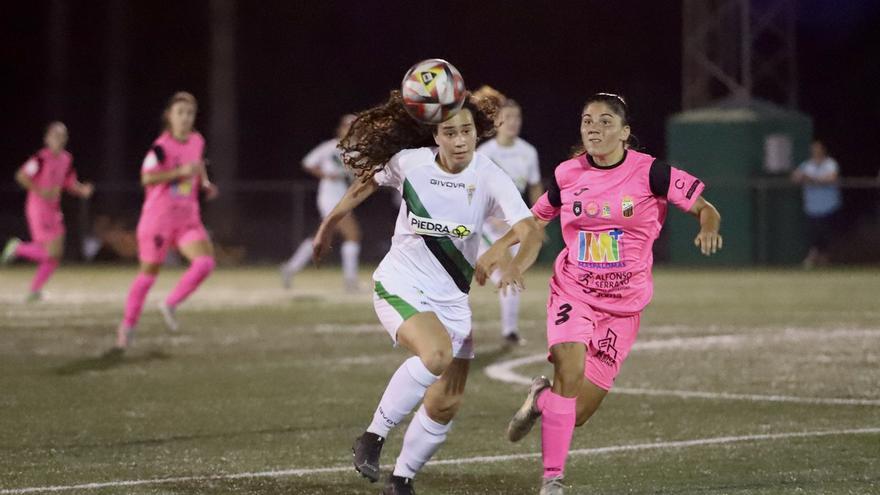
point(504, 370)
point(447, 462)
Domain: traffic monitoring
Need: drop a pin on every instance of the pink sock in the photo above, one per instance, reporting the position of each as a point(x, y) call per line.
point(198, 271)
point(31, 251)
point(557, 426)
point(136, 295)
point(44, 271)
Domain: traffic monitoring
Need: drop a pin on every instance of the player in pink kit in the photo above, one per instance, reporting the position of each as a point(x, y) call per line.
point(172, 173)
point(612, 203)
point(44, 175)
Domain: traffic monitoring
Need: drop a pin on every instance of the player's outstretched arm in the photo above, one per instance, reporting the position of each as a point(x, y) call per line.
point(496, 254)
point(531, 236)
point(708, 240)
point(355, 195)
point(83, 189)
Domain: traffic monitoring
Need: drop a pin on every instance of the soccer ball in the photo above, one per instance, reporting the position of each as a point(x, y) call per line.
point(433, 91)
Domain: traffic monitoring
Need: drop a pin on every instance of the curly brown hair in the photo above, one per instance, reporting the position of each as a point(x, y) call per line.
point(382, 131)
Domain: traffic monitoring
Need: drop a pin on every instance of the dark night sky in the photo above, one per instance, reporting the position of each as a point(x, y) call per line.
point(302, 64)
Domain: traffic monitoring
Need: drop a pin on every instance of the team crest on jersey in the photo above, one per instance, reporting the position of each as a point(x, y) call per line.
point(627, 206)
point(576, 208)
point(592, 209)
point(471, 188)
point(606, 210)
point(600, 249)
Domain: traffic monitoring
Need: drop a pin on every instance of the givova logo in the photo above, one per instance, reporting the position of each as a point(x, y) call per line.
point(600, 247)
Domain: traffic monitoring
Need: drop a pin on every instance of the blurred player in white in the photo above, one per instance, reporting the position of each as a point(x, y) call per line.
point(325, 163)
point(519, 160)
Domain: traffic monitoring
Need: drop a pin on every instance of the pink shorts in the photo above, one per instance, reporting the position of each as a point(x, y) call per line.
point(45, 224)
point(156, 238)
point(608, 337)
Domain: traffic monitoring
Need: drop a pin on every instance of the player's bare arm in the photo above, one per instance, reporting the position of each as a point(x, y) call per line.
point(708, 240)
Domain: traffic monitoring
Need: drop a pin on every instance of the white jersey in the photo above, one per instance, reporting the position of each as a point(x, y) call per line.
point(440, 222)
point(327, 159)
point(519, 161)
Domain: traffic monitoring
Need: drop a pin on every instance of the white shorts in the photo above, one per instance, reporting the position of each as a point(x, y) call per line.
point(397, 302)
point(326, 203)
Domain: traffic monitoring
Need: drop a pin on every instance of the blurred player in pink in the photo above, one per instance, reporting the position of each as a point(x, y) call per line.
point(172, 173)
point(44, 175)
point(612, 203)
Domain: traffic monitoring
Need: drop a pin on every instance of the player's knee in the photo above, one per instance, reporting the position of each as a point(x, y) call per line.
point(438, 359)
point(570, 373)
point(206, 264)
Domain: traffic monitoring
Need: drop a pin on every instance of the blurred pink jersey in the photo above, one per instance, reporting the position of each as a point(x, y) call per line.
point(179, 198)
point(47, 170)
point(610, 218)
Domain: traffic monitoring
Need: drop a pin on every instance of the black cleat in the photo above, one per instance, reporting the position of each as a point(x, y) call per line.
point(113, 354)
point(398, 485)
point(513, 340)
point(366, 449)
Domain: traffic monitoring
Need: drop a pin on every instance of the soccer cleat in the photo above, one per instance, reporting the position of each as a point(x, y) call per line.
point(352, 286)
point(9, 251)
point(168, 315)
point(524, 419)
point(366, 450)
point(113, 354)
point(34, 296)
point(398, 485)
point(124, 336)
point(513, 339)
point(286, 276)
point(552, 486)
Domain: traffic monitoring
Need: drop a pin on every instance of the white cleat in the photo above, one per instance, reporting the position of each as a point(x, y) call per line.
point(9, 251)
point(168, 315)
point(124, 337)
point(552, 486)
point(524, 419)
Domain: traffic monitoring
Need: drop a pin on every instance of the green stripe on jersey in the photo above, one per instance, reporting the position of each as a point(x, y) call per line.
point(412, 200)
point(404, 308)
point(446, 246)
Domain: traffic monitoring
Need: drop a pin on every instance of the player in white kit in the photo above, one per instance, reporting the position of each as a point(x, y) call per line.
point(421, 286)
point(325, 163)
point(519, 160)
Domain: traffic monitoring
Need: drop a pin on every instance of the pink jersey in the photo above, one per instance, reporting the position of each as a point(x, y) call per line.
point(180, 198)
point(47, 170)
point(610, 218)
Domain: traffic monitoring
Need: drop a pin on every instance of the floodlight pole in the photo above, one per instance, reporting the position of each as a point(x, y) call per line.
point(738, 48)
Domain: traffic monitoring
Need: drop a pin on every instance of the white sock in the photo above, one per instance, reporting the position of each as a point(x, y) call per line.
point(403, 393)
point(423, 439)
point(301, 256)
point(509, 312)
point(350, 252)
point(509, 307)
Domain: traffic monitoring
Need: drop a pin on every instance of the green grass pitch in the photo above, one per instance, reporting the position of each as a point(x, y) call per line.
point(742, 382)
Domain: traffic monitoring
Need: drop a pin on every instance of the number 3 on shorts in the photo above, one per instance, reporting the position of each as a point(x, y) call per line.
point(562, 315)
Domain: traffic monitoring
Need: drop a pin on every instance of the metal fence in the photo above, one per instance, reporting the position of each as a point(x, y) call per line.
point(263, 221)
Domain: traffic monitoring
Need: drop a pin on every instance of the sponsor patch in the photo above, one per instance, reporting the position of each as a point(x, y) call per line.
point(438, 228)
